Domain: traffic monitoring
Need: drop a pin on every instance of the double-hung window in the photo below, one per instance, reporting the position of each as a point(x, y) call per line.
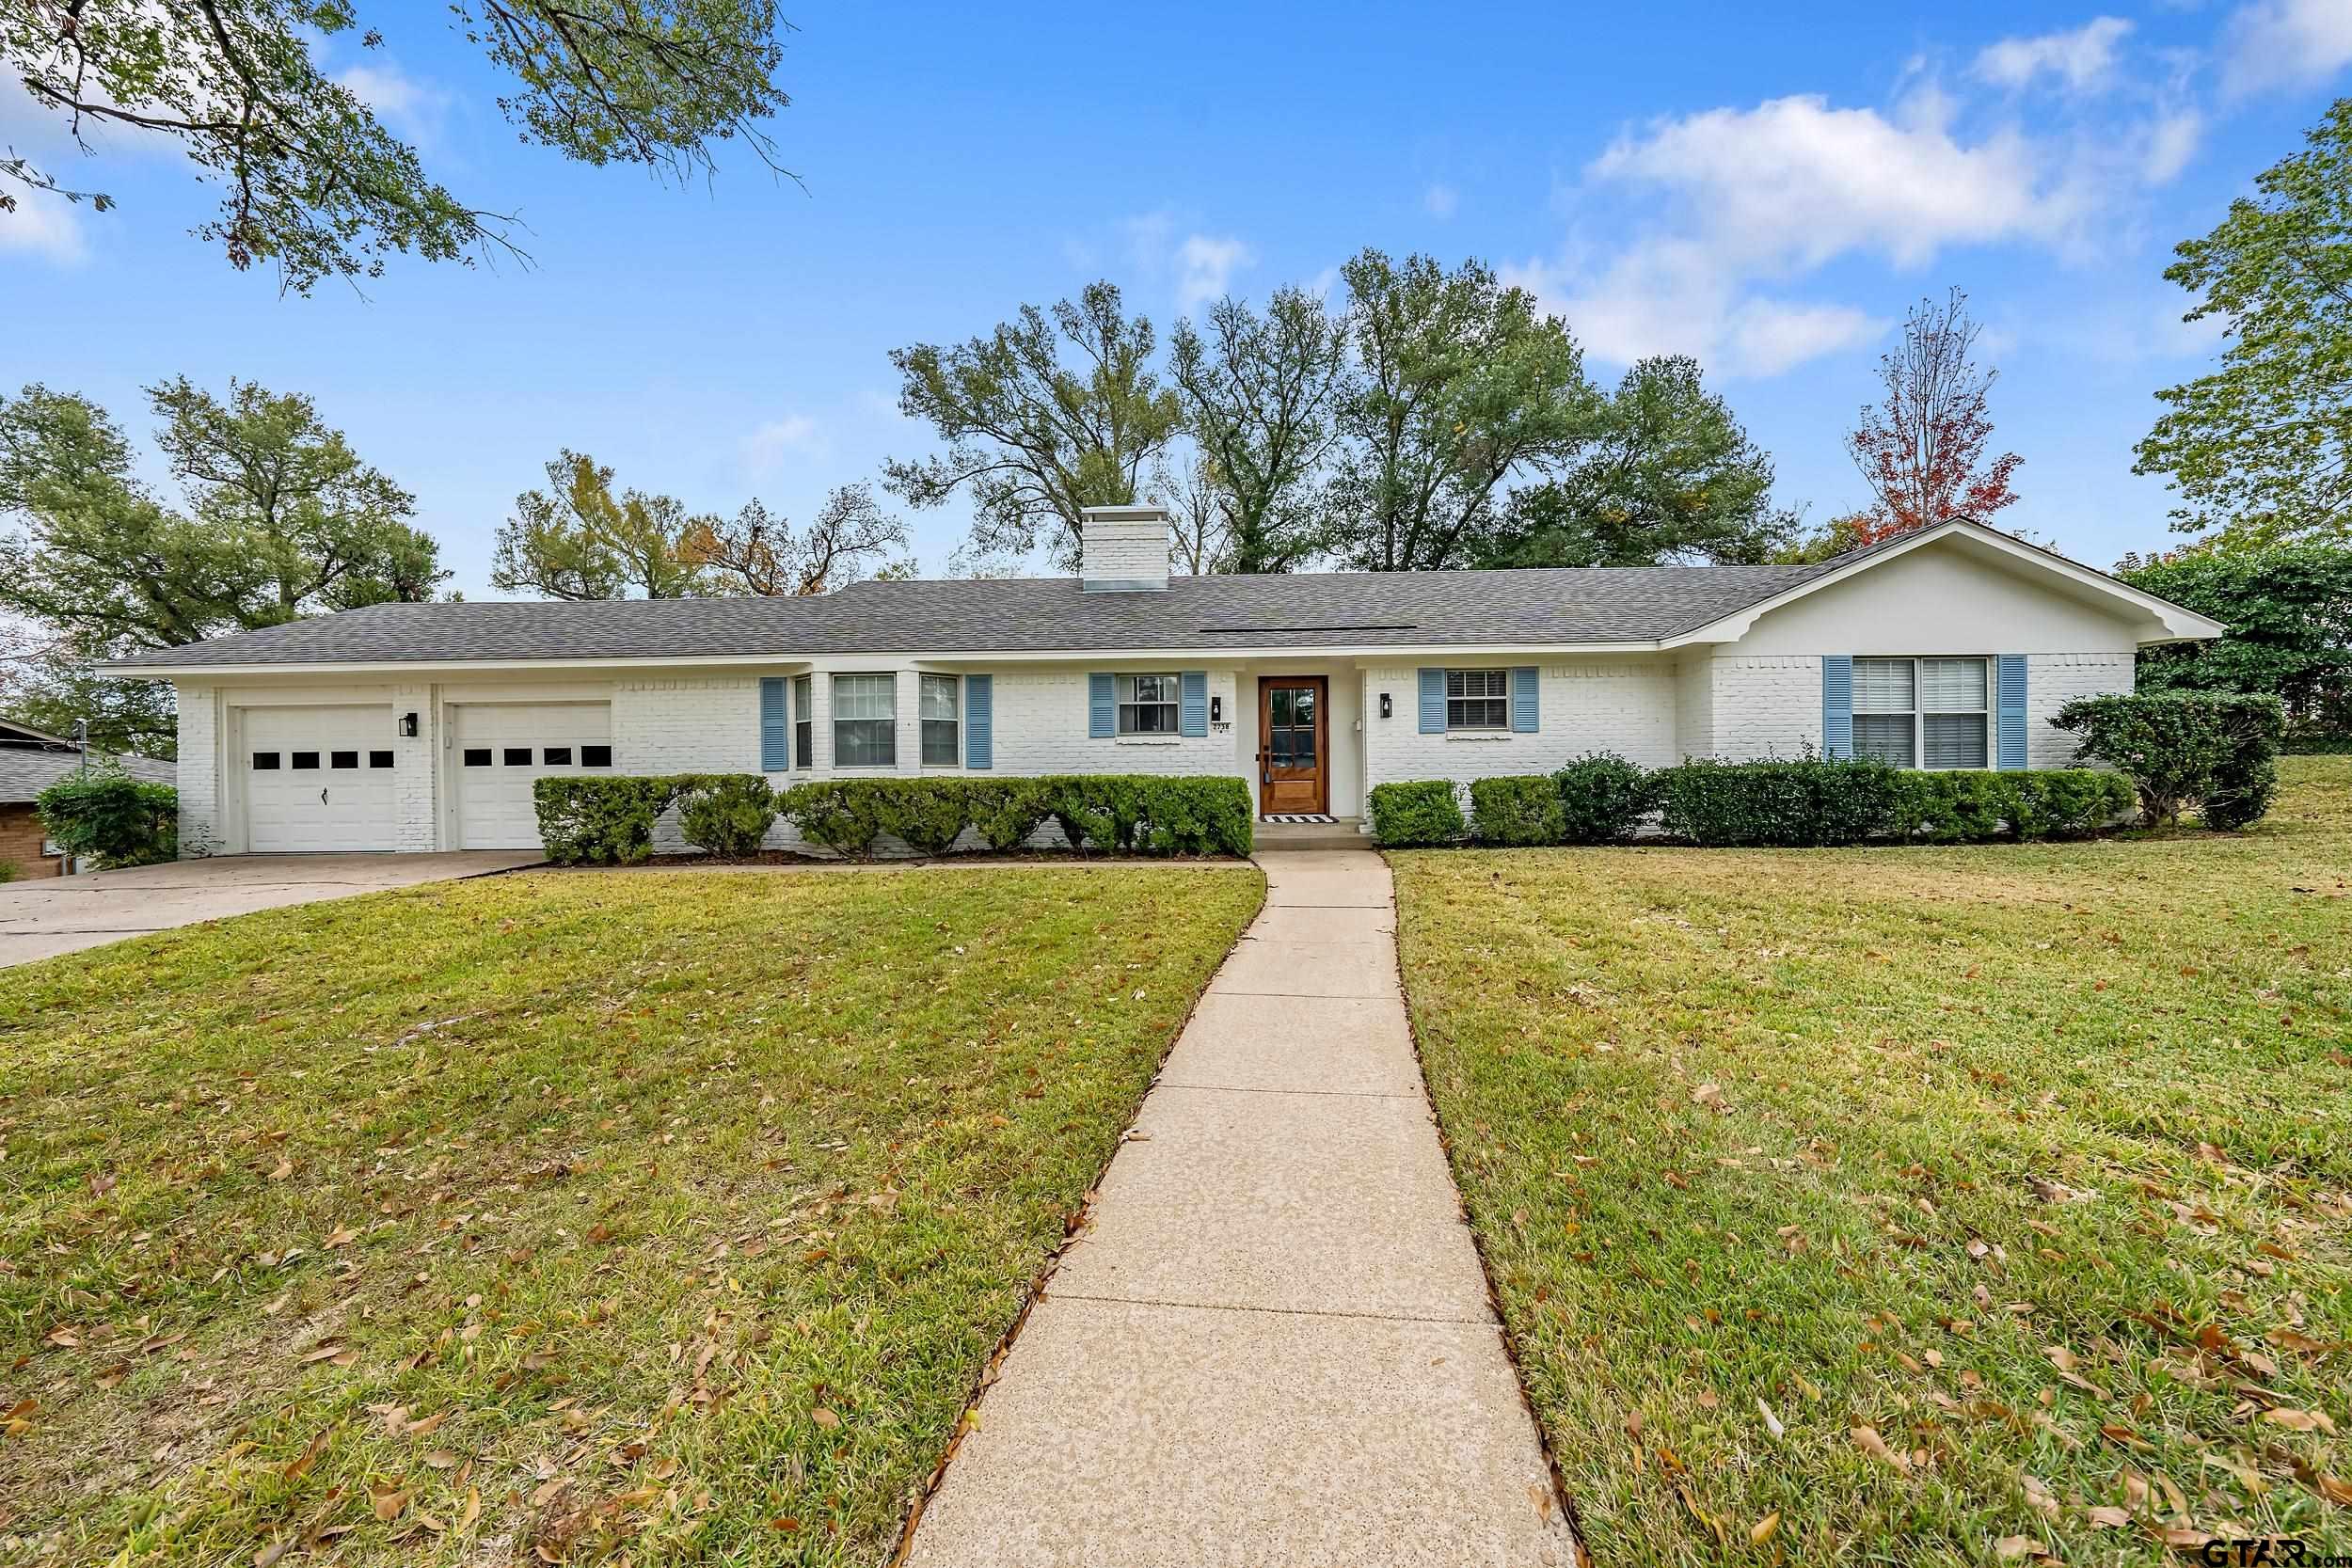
point(803, 720)
point(942, 708)
point(865, 721)
point(1923, 712)
point(1147, 705)
point(1478, 699)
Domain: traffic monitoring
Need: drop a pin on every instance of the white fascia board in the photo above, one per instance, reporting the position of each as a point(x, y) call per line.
point(2180, 624)
point(804, 663)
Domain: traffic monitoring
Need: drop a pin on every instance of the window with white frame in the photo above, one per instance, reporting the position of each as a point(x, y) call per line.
point(1478, 699)
point(803, 720)
point(1148, 705)
point(1923, 712)
point(866, 721)
point(940, 709)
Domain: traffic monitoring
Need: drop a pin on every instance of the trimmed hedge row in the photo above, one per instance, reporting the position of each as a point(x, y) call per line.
point(610, 820)
point(1808, 802)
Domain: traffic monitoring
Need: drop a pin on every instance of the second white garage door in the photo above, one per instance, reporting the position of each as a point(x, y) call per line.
point(502, 749)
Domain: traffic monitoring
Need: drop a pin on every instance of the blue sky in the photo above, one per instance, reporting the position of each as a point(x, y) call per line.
point(1712, 178)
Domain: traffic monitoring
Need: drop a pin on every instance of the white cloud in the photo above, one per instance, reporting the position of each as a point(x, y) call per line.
point(1440, 199)
point(1794, 181)
point(2276, 43)
point(2082, 58)
point(764, 449)
point(2171, 139)
point(43, 224)
point(1206, 265)
point(1673, 296)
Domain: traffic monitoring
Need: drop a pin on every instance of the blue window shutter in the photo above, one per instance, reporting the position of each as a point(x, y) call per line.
point(1433, 702)
point(979, 720)
point(775, 735)
point(1193, 716)
point(2012, 704)
point(1523, 687)
point(1838, 706)
point(1102, 709)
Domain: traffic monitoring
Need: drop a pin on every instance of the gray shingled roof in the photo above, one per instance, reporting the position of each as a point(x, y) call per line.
point(1307, 609)
point(26, 771)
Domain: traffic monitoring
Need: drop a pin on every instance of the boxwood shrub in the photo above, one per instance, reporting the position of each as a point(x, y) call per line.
point(1515, 810)
point(845, 815)
point(604, 820)
point(1415, 813)
point(726, 814)
point(1776, 805)
point(609, 819)
point(1603, 798)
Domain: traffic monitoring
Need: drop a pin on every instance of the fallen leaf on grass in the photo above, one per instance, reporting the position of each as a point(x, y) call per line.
point(1875, 1446)
point(441, 1459)
point(1764, 1529)
point(1772, 1424)
point(825, 1418)
point(388, 1502)
point(2301, 1420)
point(308, 1456)
point(2010, 1547)
point(472, 1511)
point(2107, 1516)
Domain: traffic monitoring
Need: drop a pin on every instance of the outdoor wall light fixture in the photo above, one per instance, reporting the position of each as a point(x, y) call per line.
point(1387, 708)
point(408, 725)
point(1217, 710)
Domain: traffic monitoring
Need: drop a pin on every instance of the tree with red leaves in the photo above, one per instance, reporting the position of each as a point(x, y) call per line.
point(1922, 451)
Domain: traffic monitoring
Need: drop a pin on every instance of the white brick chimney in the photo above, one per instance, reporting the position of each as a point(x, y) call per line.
point(1123, 549)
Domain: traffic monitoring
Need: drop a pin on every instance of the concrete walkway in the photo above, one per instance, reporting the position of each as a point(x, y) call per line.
point(44, 917)
point(1273, 1346)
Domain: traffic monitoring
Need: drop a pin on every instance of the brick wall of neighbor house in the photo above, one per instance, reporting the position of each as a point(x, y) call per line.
point(20, 838)
point(1622, 706)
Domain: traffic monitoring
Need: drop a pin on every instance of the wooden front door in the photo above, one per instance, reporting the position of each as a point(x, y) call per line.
point(1293, 753)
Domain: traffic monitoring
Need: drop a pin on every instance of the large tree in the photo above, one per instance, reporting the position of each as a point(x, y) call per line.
point(2261, 450)
point(2288, 611)
point(1667, 476)
point(1459, 384)
point(1260, 395)
point(277, 517)
point(576, 540)
point(760, 553)
point(1048, 415)
point(313, 182)
point(1923, 447)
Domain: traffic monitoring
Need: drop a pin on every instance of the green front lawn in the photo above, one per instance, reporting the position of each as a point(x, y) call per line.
point(556, 1217)
point(1915, 1206)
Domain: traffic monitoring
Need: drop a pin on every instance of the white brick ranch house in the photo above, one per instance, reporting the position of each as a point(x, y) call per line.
point(423, 726)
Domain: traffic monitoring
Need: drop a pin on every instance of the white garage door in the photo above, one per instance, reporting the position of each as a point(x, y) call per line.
point(317, 778)
point(503, 748)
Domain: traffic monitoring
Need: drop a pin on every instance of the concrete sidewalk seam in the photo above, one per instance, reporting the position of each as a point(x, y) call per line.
point(1480, 1321)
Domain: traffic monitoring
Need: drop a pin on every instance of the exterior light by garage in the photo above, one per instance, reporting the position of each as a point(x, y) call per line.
point(1387, 709)
point(408, 725)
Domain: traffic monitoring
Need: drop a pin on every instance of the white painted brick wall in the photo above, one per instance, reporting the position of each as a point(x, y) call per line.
point(1765, 705)
point(1120, 549)
point(200, 827)
point(1694, 703)
point(416, 765)
point(2052, 681)
point(1627, 706)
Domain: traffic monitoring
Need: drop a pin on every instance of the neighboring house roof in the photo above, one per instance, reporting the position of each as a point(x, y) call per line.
point(27, 770)
point(1535, 608)
point(13, 732)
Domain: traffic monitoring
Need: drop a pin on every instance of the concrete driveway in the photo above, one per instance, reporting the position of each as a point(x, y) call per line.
point(65, 914)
